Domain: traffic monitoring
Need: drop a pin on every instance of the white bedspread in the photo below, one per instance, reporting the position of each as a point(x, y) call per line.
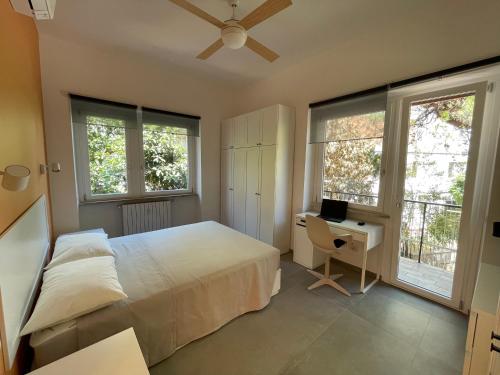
point(183, 283)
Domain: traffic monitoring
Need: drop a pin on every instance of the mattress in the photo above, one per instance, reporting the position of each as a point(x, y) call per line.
point(182, 284)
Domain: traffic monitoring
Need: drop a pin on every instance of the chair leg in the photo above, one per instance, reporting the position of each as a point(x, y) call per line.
point(338, 287)
point(318, 283)
point(316, 274)
point(327, 279)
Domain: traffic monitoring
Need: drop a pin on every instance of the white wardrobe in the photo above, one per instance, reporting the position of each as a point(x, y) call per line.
point(256, 173)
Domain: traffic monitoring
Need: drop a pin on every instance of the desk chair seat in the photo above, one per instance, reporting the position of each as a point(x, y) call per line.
point(326, 242)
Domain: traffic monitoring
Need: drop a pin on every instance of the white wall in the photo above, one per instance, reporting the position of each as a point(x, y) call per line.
point(466, 33)
point(364, 63)
point(118, 75)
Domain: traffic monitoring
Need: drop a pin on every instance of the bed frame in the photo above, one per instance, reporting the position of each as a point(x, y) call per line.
point(24, 247)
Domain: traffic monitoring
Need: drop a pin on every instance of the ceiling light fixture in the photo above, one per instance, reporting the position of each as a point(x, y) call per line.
point(234, 31)
point(233, 35)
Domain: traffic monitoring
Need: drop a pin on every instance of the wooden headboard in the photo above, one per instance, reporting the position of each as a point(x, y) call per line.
point(23, 252)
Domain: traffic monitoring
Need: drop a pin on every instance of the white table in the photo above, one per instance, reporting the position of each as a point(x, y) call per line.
point(118, 354)
point(365, 238)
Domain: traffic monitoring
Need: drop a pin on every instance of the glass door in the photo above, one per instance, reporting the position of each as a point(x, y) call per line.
point(437, 164)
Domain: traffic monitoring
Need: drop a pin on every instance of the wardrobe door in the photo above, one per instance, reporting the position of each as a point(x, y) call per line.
point(254, 128)
point(239, 193)
point(267, 189)
point(240, 131)
point(270, 125)
point(227, 187)
point(227, 134)
point(252, 196)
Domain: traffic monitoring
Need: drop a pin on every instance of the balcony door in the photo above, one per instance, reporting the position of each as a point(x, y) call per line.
point(438, 152)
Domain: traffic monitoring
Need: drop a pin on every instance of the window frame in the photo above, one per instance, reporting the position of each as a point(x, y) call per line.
point(134, 146)
point(319, 159)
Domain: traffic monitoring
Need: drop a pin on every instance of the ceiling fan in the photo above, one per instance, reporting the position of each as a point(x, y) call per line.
point(233, 31)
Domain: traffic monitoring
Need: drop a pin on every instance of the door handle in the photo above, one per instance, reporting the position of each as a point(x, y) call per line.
point(495, 348)
point(257, 194)
point(494, 336)
point(230, 189)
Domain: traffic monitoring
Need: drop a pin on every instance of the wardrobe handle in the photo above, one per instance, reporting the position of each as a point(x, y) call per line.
point(494, 336)
point(230, 189)
point(257, 193)
point(495, 348)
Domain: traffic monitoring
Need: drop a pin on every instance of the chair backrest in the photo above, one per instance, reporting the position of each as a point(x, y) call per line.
point(319, 232)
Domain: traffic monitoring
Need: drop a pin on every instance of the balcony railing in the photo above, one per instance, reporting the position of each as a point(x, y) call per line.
point(365, 199)
point(429, 231)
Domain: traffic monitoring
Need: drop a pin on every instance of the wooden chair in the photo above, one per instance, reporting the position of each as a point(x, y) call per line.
point(326, 242)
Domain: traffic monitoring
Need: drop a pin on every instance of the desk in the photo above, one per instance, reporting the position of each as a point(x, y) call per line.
point(118, 354)
point(365, 239)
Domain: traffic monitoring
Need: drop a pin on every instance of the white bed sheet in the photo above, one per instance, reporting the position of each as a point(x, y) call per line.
point(183, 283)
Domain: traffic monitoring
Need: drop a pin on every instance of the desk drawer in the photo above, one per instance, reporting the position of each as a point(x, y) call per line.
point(355, 235)
point(350, 255)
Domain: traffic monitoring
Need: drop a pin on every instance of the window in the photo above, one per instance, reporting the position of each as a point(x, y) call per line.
point(107, 155)
point(350, 137)
point(128, 151)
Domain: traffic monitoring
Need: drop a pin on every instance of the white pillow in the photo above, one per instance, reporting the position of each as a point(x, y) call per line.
point(74, 289)
point(80, 246)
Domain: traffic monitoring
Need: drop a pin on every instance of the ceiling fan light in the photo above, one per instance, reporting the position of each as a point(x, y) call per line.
point(234, 36)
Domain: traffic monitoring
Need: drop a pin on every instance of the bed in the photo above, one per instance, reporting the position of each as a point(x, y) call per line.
point(182, 284)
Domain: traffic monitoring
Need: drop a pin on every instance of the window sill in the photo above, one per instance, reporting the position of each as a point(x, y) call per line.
point(131, 200)
point(368, 211)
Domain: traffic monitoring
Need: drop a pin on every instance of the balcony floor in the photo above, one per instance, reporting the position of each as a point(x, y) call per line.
point(425, 276)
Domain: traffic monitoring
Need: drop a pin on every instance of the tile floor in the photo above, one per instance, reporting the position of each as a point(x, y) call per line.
point(387, 331)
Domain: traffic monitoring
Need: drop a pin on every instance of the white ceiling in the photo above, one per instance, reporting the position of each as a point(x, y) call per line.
point(160, 29)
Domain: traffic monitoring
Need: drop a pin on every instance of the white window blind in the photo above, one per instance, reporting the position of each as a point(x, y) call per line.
point(176, 123)
point(349, 132)
point(323, 113)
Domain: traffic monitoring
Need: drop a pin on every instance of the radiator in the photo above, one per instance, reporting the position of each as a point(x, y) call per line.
point(145, 217)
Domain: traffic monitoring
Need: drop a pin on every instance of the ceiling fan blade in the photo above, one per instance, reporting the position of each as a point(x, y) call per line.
point(198, 12)
point(261, 50)
point(214, 47)
point(263, 12)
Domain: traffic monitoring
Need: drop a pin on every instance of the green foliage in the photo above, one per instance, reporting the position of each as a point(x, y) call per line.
point(352, 157)
point(457, 111)
point(443, 226)
point(457, 190)
point(165, 158)
point(107, 156)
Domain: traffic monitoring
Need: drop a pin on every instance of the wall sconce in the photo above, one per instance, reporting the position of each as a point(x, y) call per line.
point(15, 177)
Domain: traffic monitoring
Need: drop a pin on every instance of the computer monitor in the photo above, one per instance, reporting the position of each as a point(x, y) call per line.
point(333, 210)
